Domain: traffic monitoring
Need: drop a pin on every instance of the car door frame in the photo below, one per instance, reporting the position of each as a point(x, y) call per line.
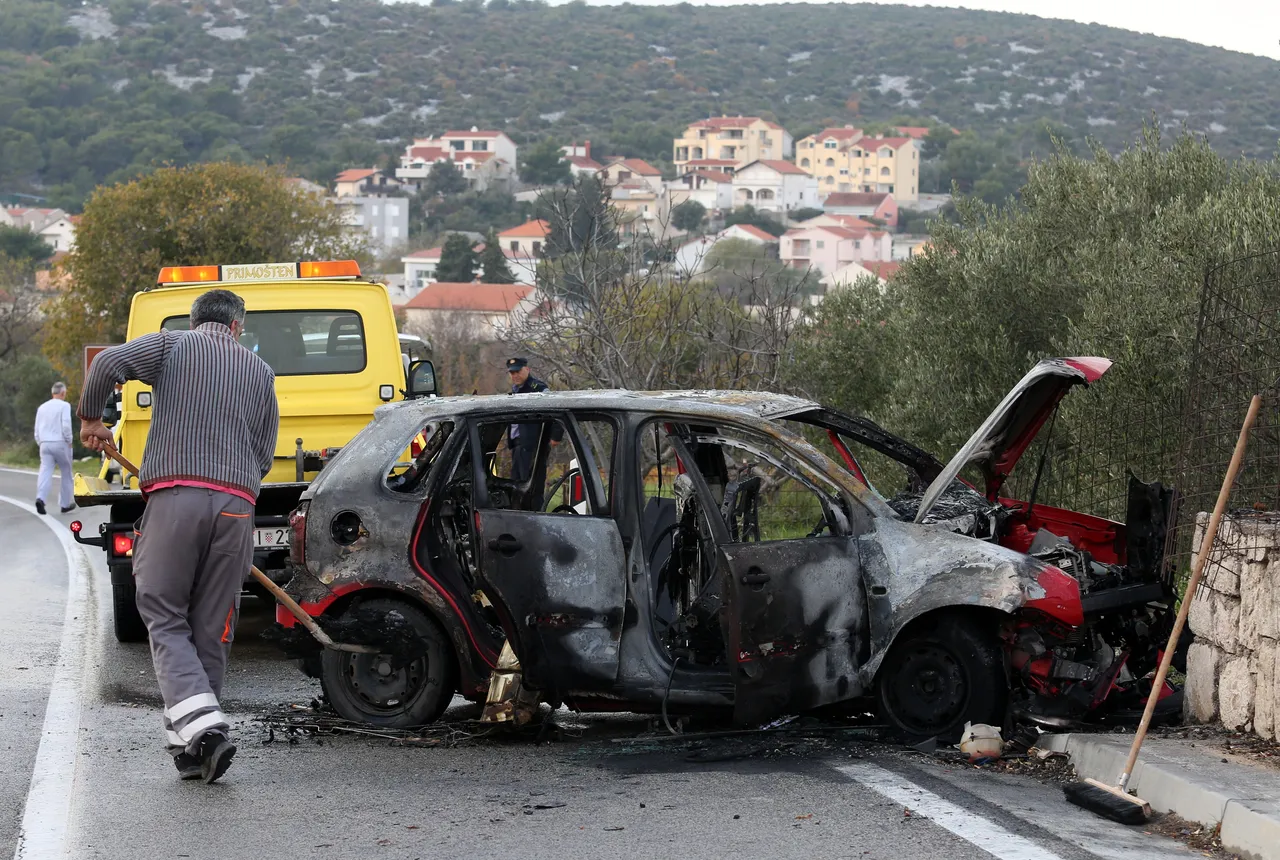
point(776, 668)
point(566, 640)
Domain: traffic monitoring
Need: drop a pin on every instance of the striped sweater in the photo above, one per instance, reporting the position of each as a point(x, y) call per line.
point(214, 415)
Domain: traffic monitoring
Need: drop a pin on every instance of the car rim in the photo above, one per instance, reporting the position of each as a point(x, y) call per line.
point(929, 691)
point(379, 686)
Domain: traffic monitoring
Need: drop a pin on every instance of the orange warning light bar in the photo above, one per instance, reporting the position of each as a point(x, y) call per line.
point(188, 274)
point(241, 273)
point(329, 269)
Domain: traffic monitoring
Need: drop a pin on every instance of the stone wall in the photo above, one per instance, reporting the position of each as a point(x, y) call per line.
point(1233, 667)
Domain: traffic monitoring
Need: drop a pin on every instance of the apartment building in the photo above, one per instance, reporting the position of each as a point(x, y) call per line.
point(829, 249)
point(846, 160)
point(775, 186)
point(736, 139)
point(484, 157)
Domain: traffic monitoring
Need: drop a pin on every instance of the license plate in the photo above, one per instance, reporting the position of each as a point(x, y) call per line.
point(277, 538)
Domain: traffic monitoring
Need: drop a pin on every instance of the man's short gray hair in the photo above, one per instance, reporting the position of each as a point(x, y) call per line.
point(217, 306)
point(58, 388)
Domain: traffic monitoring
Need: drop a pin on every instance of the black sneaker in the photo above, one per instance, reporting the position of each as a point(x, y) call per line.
point(40, 506)
point(189, 766)
point(216, 752)
point(69, 508)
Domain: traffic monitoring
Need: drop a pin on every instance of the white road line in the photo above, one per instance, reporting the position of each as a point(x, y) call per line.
point(46, 820)
point(19, 471)
point(986, 835)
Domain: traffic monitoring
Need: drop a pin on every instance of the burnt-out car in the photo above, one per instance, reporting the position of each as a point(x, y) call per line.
point(691, 551)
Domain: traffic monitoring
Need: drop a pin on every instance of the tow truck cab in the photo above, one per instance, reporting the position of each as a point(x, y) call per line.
point(330, 338)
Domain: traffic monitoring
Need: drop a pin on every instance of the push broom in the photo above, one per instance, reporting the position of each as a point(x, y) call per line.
point(276, 591)
point(1115, 802)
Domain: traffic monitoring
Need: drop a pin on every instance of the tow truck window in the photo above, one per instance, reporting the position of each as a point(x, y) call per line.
point(298, 343)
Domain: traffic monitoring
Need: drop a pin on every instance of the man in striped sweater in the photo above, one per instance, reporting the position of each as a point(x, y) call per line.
point(212, 440)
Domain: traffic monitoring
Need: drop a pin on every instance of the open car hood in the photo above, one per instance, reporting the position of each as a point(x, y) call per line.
point(1011, 427)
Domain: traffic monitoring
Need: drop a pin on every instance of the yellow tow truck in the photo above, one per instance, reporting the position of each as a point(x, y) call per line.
point(331, 339)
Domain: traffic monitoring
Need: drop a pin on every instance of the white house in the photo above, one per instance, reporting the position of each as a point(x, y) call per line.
point(830, 249)
point(481, 311)
point(61, 234)
point(483, 157)
point(775, 186)
point(365, 182)
point(383, 222)
point(712, 189)
point(632, 171)
point(55, 226)
point(420, 268)
point(849, 275)
point(691, 257)
point(523, 246)
point(580, 160)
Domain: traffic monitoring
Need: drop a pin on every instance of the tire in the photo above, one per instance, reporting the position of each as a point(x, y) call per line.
point(363, 687)
point(124, 613)
point(939, 676)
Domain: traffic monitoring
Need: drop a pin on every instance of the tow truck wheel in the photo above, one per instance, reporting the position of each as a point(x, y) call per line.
point(124, 614)
point(939, 676)
point(373, 688)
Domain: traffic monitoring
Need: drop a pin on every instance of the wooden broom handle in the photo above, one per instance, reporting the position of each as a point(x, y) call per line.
point(265, 581)
point(1206, 544)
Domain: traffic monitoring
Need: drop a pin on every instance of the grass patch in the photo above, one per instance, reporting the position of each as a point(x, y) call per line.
point(19, 455)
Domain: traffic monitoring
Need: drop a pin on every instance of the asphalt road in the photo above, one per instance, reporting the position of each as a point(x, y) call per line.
point(80, 713)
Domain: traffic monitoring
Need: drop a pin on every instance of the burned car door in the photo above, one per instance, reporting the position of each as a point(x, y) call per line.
point(795, 617)
point(556, 577)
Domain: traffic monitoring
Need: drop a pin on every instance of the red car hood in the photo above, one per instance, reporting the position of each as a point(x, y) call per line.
point(1009, 430)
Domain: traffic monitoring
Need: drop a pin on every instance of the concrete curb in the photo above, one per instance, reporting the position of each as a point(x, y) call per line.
point(1250, 819)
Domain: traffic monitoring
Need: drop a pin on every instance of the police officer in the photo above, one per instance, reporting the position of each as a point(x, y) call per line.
point(522, 439)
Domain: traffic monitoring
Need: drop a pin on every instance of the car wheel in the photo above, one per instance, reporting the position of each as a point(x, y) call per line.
point(370, 688)
point(125, 617)
point(938, 677)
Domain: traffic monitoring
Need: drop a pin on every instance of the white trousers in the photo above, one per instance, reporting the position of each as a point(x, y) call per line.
point(55, 454)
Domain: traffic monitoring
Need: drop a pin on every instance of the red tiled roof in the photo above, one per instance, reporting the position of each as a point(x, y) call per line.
point(842, 232)
point(838, 133)
point(491, 298)
point(584, 162)
point(427, 153)
point(712, 175)
point(636, 165)
point(877, 142)
point(780, 166)
point(536, 229)
point(884, 269)
point(855, 198)
point(711, 162)
point(763, 235)
point(471, 134)
point(731, 122)
point(428, 254)
point(355, 174)
point(915, 132)
point(461, 155)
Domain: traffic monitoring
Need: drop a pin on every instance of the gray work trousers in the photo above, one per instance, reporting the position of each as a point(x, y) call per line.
point(192, 551)
point(56, 454)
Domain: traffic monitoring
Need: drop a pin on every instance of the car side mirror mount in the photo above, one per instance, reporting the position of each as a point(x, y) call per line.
point(422, 380)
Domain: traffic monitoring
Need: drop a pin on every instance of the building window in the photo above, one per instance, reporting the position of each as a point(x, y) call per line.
point(831, 180)
point(374, 210)
point(913, 171)
point(844, 171)
point(393, 209)
point(890, 189)
point(821, 244)
point(804, 162)
point(884, 171)
point(479, 146)
point(800, 247)
point(764, 194)
point(735, 134)
point(857, 244)
point(866, 171)
point(831, 162)
point(830, 144)
point(394, 232)
point(886, 152)
point(857, 153)
point(623, 175)
point(457, 145)
point(515, 246)
point(537, 247)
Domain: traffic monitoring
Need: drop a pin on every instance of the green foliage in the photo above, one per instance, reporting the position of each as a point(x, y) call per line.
point(581, 216)
point(688, 216)
point(493, 263)
point(444, 179)
point(804, 213)
point(750, 215)
point(21, 245)
point(331, 85)
point(474, 212)
point(1102, 256)
point(457, 260)
point(544, 164)
point(744, 269)
point(25, 381)
point(210, 213)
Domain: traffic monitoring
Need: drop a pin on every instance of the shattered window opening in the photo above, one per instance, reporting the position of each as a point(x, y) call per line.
point(422, 453)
